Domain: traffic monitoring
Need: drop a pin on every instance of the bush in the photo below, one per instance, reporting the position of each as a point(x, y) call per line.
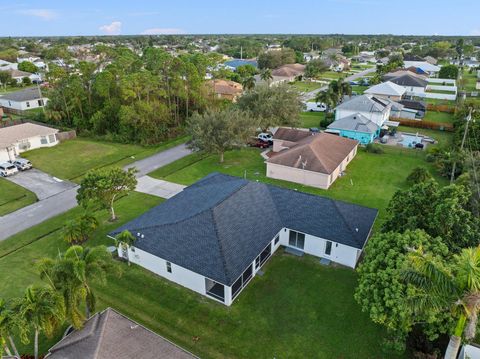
point(418, 175)
point(374, 148)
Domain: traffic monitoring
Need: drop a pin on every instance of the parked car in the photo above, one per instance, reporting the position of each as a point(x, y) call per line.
point(7, 169)
point(259, 143)
point(315, 107)
point(22, 164)
point(265, 137)
point(353, 83)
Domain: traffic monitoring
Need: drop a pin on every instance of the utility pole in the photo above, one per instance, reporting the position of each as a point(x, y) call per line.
point(469, 118)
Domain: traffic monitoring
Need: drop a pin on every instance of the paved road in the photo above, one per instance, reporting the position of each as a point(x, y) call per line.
point(41, 183)
point(52, 206)
point(309, 95)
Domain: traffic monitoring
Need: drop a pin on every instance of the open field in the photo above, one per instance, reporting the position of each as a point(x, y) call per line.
point(370, 179)
point(71, 159)
point(298, 308)
point(13, 197)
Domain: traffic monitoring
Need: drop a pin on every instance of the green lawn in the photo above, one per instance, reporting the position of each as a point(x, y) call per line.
point(311, 119)
point(435, 101)
point(13, 197)
point(370, 180)
point(441, 117)
point(359, 89)
point(470, 80)
point(297, 309)
point(72, 159)
point(333, 75)
point(306, 86)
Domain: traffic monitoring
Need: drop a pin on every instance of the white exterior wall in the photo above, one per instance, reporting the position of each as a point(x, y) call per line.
point(414, 90)
point(22, 105)
point(441, 96)
point(315, 246)
point(35, 142)
point(4, 157)
point(377, 117)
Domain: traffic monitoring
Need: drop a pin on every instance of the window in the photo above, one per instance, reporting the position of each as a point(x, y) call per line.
point(43, 140)
point(169, 267)
point(51, 138)
point(275, 241)
point(328, 248)
point(28, 104)
point(40, 103)
point(296, 239)
point(257, 262)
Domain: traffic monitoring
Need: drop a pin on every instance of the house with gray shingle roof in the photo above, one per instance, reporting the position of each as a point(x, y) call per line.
point(356, 127)
point(25, 99)
point(374, 108)
point(215, 235)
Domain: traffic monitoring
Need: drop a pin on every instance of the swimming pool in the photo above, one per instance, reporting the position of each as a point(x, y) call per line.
point(410, 140)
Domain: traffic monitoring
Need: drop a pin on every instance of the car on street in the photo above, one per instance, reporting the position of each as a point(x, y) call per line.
point(315, 107)
point(265, 137)
point(7, 169)
point(22, 164)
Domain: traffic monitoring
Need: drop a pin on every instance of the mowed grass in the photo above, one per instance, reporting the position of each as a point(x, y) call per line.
point(311, 119)
point(297, 309)
point(13, 197)
point(370, 179)
point(306, 86)
point(71, 159)
point(439, 117)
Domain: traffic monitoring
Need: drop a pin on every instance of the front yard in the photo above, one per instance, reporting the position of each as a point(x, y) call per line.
point(370, 180)
point(306, 86)
point(297, 309)
point(70, 160)
point(13, 197)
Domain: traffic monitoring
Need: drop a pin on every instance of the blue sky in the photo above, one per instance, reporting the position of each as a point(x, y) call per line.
point(95, 17)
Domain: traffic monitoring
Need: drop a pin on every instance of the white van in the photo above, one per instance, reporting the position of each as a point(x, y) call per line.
point(315, 107)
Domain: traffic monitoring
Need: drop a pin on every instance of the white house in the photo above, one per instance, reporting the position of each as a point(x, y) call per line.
point(424, 66)
point(414, 85)
point(388, 90)
point(18, 75)
point(23, 137)
point(26, 99)
point(215, 235)
point(373, 108)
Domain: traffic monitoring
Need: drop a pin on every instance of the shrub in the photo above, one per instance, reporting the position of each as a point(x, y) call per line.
point(374, 148)
point(418, 175)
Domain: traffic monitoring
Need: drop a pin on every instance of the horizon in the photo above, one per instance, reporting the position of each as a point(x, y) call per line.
point(186, 17)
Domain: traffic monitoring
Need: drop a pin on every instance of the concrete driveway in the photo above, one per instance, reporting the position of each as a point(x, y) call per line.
point(156, 187)
point(40, 183)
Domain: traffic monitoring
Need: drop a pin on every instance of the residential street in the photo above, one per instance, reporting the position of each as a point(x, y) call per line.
point(310, 95)
point(61, 202)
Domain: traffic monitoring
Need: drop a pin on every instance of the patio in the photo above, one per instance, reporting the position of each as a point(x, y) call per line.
point(406, 140)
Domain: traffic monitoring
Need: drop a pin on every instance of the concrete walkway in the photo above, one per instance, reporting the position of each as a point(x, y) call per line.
point(40, 183)
point(156, 187)
point(61, 202)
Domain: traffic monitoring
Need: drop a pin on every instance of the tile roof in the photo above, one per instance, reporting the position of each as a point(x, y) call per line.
point(356, 122)
point(364, 103)
point(12, 134)
point(322, 153)
point(27, 94)
point(110, 334)
point(218, 226)
point(386, 88)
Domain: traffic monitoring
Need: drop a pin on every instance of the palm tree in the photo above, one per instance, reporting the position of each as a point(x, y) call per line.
point(73, 273)
point(10, 321)
point(328, 98)
point(43, 309)
point(248, 83)
point(448, 286)
point(266, 75)
point(126, 240)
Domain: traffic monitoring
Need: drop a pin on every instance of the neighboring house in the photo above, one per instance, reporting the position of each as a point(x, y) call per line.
point(418, 106)
point(424, 65)
point(110, 334)
point(374, 108)
point(413, 85)
point(409, 71)
point(309, 56)
point(283, 74)
point(431, 60)
point(18, 75)
point(215, 235)
point(225, 89)
point(315, 161)
point(233, 64)
point(26, 99)
point(410, 57)
point(356, 127)
point(388, 90)
point(23, 137)
point(5, 65)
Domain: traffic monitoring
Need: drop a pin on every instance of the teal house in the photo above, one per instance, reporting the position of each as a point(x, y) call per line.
point(357, 127)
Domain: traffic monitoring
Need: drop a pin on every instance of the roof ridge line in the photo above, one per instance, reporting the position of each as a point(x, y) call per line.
point(344, 220)
point(102, 332)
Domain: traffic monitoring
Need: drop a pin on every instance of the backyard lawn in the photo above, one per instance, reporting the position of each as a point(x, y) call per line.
point(298, 308)
point(311, 119)
point(359, 90)
point(72, 159)
point(370, 180)
point(13, 197)
point(440, 117)
point(306, 86)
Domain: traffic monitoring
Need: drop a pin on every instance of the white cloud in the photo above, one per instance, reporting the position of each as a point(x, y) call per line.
point(112, 29)
point(44, 14)
point(163, 31)
point(475, 32)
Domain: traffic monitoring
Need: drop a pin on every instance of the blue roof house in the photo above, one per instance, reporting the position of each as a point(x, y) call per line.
point(357, 127)
point(215, 235)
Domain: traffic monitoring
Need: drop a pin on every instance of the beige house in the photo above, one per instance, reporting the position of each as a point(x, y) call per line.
point(285, 138)
point(225, 89)
point(316, 160)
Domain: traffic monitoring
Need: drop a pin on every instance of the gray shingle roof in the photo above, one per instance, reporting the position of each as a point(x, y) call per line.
point(408, 80)
point(356, 122)
point(219, 225)
point(110, 334)
point(28, 94)
point(364, 103)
